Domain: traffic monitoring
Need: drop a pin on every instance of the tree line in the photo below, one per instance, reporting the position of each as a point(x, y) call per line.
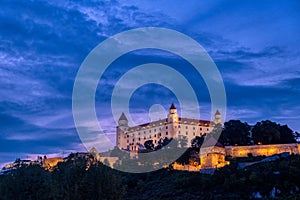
point(81, 179)
point(240, 133)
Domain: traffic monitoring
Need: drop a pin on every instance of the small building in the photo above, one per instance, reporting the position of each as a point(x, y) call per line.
point(212, 155)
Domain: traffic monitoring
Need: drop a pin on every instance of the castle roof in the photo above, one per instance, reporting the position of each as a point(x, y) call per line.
point(123, 116)
point(218, 112)
point(172, 106)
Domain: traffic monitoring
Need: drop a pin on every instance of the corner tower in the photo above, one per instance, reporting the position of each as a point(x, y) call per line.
point(218, 118)
point(123, 121)
point(173, 116)
point(121, 128)
point(172, 122)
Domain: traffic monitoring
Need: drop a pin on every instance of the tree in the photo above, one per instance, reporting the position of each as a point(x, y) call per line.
point(286, 135)
point(268, 132)
point(235, 132)
point(197, 142)
point(149, 145)
point(27, 182)
point(163, 142)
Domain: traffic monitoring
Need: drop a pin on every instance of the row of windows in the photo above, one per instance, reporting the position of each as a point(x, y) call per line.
point(146, 127)
point(167, 132)
point(194, 128)
point(139, 139)
point(139, 133)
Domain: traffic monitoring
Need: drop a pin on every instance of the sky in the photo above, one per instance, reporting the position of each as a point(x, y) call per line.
point(255, 45)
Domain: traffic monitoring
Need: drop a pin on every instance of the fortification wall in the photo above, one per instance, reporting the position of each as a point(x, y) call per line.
point(261, 150)
point(108, 160)
point(49, 163)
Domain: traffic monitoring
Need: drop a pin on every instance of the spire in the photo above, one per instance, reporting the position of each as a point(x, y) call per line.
point(172, 106)
point(218, 118)
point(123, 117)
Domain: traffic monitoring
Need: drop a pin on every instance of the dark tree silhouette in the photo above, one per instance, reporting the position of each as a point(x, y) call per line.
point(235, 132)
point(149, 145)
point(268, 132)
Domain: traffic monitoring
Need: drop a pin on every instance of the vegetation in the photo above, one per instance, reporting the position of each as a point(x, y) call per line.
point(75, 179)
point(82, 179)
point(239, 133)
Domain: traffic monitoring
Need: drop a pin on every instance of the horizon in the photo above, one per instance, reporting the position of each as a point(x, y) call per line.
point(255, 46)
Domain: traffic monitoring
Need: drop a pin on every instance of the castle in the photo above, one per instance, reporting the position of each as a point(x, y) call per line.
point(212, 156)
point(133, 138)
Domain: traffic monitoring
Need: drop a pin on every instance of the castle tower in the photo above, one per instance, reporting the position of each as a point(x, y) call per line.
point(218, 118)
point(121, 128)
point(173, 121)
point(173, 116)
point(123, 121)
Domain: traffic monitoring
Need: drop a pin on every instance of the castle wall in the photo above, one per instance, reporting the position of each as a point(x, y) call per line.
point(188, 128)
point(110, 161)
point(261, 150)
point(49, 163)
point(189, 168)
point(132, 138)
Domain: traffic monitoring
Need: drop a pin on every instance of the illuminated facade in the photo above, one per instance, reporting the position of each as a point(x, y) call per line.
point(133, 138)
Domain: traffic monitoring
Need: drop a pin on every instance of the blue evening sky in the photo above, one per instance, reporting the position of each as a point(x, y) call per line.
point(255, 45)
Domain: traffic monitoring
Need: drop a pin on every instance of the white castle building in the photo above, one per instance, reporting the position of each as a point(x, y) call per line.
point(133, 138)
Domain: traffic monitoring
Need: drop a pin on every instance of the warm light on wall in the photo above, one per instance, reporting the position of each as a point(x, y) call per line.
point(272, 150)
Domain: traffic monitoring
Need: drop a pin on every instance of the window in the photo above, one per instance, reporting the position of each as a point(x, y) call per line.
point(155, 130)
point(128, 136)
point(186, 127)
point(154, 135)
point(127, 141)
point(193, 128)
point(194, 134)
point(133, 140)
point(179, 126)
point(139, 139)
point(149, 131)
point(200, 129)
point(167, 133)
point(187, 133)
point(166, 127)
point(207, 129)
